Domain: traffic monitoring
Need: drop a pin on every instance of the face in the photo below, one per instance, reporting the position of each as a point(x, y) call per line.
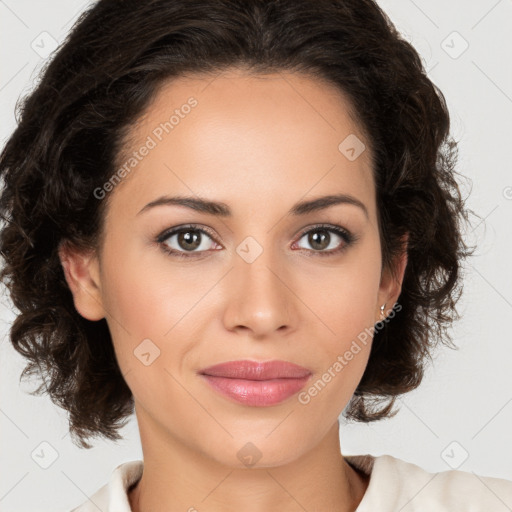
point(263, 281)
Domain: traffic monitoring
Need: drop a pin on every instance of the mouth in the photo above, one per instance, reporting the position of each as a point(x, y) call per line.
point(256, 383)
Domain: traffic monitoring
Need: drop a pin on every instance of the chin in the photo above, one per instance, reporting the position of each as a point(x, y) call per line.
point(250, 453)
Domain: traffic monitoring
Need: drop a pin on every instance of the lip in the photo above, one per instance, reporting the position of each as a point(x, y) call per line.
point(257, 383)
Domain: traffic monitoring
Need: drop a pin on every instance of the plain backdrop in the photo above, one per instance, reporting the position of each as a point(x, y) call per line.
point(461, 416)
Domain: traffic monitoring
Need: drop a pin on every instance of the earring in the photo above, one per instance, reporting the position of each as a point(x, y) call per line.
point(382, 310)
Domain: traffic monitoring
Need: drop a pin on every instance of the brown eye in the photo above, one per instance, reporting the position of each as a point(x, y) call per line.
point(187, 239)
point(319, 239)
point(192, 241)
point(327, 240)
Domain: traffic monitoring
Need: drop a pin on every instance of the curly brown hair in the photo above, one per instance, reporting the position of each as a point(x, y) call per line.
point(72, 128)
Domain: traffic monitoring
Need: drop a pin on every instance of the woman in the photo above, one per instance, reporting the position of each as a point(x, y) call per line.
point(237, 219)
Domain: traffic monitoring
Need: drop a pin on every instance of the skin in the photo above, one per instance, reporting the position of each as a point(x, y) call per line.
point(258, 144)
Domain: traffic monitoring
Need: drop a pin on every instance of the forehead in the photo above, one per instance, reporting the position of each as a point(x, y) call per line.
point(271, 138)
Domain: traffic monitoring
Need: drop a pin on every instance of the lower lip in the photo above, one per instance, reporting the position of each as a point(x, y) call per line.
point(257, 392)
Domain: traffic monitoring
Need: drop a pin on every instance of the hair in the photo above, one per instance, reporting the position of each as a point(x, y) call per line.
point(74, 124)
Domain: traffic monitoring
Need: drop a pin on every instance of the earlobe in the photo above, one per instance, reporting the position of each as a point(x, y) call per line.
point(81, 270)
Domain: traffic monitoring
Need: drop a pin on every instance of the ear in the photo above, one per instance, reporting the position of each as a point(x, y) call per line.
point(81, 269)
point(391, 281)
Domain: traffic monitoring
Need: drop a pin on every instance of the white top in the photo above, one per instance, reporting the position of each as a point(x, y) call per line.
point(395, 485)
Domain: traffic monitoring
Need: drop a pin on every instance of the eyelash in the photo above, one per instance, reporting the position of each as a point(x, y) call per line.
point(345, 235)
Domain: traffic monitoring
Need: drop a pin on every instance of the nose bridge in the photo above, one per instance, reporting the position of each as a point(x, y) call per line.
point(259, 298)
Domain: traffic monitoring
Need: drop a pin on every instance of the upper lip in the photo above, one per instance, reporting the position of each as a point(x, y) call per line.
point(254, 370)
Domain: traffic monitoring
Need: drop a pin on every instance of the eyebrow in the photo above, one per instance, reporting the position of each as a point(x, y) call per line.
point(220, 209)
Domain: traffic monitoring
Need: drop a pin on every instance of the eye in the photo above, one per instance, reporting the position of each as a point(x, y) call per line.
point(323, 243)
point(185, 241)
point(191, 241)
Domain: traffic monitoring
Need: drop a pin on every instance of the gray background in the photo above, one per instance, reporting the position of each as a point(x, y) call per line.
point(461, 416)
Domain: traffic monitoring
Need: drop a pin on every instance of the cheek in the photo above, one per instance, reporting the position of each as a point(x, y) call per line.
point(138, 302)
point(344, 297)
point(142, 290)
point(347, 319)
point(144, 320)
point(136, 298)
point(152, 311)
point(345, 303)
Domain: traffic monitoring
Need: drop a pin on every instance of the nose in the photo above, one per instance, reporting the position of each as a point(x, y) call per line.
point(260, 298)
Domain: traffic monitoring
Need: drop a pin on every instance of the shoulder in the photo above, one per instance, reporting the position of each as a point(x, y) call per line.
point(113, 496)
point(396, 484)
